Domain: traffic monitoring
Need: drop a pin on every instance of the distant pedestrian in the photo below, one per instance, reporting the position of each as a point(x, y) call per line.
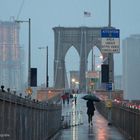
point(2, 88)
point(75, 99)
point(90, 111)
point(68, 99)
point(64, 97)
point(71, 96)
point(8, 89)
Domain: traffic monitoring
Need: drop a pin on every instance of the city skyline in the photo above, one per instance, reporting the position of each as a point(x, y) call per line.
point(47, 14)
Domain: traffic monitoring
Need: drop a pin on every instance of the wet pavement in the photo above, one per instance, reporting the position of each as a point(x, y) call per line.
point(76, 127)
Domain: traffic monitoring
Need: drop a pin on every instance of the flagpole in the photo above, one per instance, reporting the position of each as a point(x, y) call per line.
point(109, 14)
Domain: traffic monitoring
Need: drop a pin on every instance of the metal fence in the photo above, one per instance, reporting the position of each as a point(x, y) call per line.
point(124, 118)
point(24, 119)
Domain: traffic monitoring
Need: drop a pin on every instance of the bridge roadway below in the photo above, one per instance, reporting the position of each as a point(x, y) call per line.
point(76, 127)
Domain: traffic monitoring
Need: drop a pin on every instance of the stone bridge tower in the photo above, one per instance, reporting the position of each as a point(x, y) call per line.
point(83, 39)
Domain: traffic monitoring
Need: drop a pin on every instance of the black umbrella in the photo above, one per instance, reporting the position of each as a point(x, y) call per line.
point(91, 97)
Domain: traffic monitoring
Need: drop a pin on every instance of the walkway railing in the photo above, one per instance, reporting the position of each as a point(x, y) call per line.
point(25, 119)
point(126, 119)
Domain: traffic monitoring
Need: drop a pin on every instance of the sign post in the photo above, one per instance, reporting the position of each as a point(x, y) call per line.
point(110, 41)
point(109, 103)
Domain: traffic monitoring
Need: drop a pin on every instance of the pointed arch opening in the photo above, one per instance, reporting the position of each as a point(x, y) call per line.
point(72, 65)
point(95, 59)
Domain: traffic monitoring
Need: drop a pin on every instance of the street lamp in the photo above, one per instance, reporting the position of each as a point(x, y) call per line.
point(77, 84)
point(93, 64)
point(47, 76)
point(93, 56)
point(73, 82)
point(29, 49)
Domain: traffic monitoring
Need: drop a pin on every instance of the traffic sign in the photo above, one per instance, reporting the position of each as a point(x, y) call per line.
point(108, 103)
point(29, 91)
point(110, 40)
point(109, 86)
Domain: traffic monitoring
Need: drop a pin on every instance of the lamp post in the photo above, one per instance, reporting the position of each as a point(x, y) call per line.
point(93, 60)
point(29, 48)
point(73, 82)
point(93, 68)
point(47, 76)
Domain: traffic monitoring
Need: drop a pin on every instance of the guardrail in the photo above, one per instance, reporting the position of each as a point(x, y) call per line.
point(124, 118)
point(25, 119)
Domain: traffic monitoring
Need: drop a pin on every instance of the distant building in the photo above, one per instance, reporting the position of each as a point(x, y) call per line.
point(11, 56)
point(118, 82)
point(131, 67)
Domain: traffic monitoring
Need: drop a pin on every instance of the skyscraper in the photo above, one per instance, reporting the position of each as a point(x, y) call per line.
point(11, 55)
point(118, 82)
point(131, 67)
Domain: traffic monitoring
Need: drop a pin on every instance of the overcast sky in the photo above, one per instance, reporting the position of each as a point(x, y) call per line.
point(46, 14)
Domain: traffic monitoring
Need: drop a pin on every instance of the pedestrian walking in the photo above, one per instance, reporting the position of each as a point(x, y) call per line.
point(2, 88)
point(90, 111)
point(64, 97)
point(75, 99)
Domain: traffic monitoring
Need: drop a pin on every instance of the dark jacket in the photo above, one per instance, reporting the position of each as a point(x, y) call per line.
point(90, 107)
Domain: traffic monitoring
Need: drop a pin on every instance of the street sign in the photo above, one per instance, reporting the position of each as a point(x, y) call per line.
point(110, 40)
point(29, 91)
point(92, 74)
point(108, 103)
point(109, 86)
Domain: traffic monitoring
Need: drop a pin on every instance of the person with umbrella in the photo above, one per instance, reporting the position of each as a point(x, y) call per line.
point(90, 111)
point(91, 98)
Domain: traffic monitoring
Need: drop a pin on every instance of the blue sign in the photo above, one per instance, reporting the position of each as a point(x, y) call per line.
point(110, 40)
point(109, 86)
point(110, 33)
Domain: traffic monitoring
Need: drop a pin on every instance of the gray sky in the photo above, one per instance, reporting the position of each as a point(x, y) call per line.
point(46, 14)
